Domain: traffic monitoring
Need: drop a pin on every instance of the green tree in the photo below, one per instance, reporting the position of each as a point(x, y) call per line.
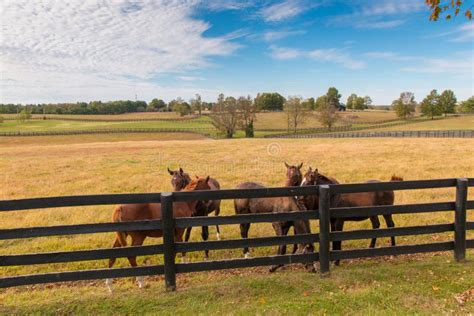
point(404, 106)
point(196, 104)
point(269, 101)
point(466, 106)
point(367, 101)
point(309, 104)
point(351, 101)
point(319, 101)
point(156, 105)
point(24, 115)
point(327, 112)
point(447, 102)
point(333, 97)
point(430, 106)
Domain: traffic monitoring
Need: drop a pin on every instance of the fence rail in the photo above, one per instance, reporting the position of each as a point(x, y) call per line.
point(169, 247)
point(436, 133)
point(195, 130)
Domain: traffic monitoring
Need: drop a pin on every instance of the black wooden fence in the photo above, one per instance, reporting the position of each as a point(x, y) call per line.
point(169, 247)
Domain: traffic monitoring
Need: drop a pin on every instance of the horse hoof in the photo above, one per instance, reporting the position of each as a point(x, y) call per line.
point(218, 236)
point(108, 283)
point(141, 282)
point(247, 255)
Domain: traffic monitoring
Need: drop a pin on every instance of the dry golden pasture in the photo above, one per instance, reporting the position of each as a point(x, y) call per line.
point(51, 167)
point(90, 164)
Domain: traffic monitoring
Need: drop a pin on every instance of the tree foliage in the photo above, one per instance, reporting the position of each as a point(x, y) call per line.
point(24, 115)
point(333, 97)
point(269, 101)
point(196, 104)
point(404, 106)
point(226, 115)
point(430, 106)
point(327, 112)
point(466, 106)
point(247, 109)
point(296, 112)
point(450, 8)
point(447, 102)
point(156, 105)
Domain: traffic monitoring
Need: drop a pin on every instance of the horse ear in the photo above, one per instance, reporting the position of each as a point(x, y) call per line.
point(287, 165)
point(310, 169)
point(301, 165)
point(196, 176)
point(170, 172)
point(181, 170)
point(207, 179)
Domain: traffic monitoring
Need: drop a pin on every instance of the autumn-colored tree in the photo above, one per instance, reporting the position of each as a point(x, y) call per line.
point(296, 112)
point(450, 8)
point(327, 112)
point(226, 116)
point(247, 110)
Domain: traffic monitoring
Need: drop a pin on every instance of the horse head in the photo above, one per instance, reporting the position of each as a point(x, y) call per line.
point(293, 174)
point(198, 184)
point(310, 177)
point(179, 179)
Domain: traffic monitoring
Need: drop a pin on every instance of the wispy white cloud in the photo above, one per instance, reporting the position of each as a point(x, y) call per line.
point(190, 78)
point(337, 56)
point(270, 36)
point(284, 10)
point(283, 53)
point(331, 55)
point(221, 5)
point(461, 63)
point(114, 41)
point(462, 33)
point(376, 14)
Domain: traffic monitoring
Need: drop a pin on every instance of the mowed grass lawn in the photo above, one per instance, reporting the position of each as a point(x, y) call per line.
point(65, 125)
point(58, 166)
point(449, 123)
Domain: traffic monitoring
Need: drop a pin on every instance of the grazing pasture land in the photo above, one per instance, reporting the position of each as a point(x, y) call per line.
point(450, 123)
point(58, 166)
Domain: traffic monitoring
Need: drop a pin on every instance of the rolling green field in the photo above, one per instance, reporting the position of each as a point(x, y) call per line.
point(65, 165)
point(450, 123)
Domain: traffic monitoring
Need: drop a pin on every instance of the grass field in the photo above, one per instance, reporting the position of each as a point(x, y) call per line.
point(450, 123)
point(124, 116)
point(63, 165)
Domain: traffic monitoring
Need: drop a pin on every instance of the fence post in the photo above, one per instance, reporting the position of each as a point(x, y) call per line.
point(168, 240)
point(460, 220)
point(324, 218)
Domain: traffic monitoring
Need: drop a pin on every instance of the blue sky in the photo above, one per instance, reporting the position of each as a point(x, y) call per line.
point(104, 50)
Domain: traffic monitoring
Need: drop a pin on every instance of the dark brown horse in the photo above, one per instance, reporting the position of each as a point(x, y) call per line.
point(272, 205)
point(179, 180)
point(293, 175)
point(313, 177)
point(151, 211)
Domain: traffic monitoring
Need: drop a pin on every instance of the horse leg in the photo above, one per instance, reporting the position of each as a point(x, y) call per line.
point(337, 225)
point(205, 236)
point(109, 282)
point(295, 246)
point(390, 223)
point(244, 233)
point(186, 239)
point(281, 229)
point(375, 225)
point(137, 240)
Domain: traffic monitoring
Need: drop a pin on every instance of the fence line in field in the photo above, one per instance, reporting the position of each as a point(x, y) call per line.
point(435, 133)
point(169, 247)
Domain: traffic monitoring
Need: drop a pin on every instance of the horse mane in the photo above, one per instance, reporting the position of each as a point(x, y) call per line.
point(396, 178)
point(324, 178)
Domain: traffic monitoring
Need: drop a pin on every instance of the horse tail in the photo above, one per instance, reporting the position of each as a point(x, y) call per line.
point(396, 178)
point(117, 217)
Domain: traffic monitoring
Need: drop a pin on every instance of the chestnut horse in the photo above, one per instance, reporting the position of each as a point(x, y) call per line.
point(313, 177)
point(272, 205)
point(293, 175)
point(151, 211)
point(179, 180)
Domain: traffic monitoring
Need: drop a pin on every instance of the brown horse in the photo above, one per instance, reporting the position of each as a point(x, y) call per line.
point(179, 180)
point(151, 211)
point(313, 177)
point(293, 175)
point(272, 205)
